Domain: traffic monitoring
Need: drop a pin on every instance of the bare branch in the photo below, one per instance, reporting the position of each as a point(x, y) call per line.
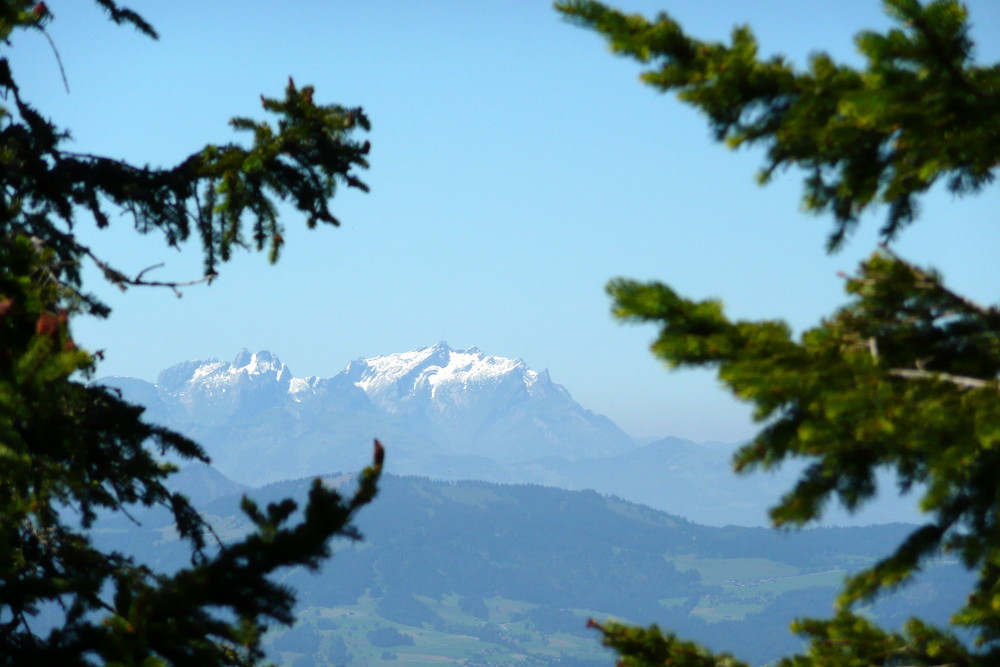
point(148, 268)
point(59, 62)
point(960, 380)
point(123, 282)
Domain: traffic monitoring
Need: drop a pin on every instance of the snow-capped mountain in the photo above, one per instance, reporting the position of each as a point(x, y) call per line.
point(434, 406)
point(443, 377)
point(213, 390)
point(485, 405)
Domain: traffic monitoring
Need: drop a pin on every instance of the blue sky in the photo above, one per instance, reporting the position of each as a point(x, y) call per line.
point(516, 167)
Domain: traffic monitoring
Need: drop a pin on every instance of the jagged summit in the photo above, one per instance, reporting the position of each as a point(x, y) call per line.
point(439, 373)
point(256, 362)
point(217, 372)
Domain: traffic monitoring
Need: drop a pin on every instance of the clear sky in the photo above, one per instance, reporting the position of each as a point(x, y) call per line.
point(516, 166)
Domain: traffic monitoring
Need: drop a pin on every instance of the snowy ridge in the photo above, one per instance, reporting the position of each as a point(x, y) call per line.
point(434, 369)
point(219, 374)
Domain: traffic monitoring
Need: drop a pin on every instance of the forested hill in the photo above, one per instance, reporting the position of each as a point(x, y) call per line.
point(509, 565)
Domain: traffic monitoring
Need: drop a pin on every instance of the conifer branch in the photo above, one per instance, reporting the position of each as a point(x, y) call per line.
point(931, 280)
point(955, 74)
point(96, 452)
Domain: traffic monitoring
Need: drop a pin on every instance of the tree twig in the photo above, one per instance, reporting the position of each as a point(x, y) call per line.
point(148, 268)
point(122, 281)
point(59, 62)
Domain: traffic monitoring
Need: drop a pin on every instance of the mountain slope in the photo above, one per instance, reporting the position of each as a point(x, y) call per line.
point(503, 567)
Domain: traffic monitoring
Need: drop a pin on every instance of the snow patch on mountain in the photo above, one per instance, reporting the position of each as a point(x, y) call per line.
point(298, 387)
point(439, 374)
point(206, 373)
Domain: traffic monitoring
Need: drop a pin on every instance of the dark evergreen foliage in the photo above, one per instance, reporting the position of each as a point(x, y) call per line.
point(920, 112)
point(70, 450)
point(906, 375)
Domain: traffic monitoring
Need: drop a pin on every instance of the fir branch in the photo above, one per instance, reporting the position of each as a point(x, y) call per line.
point(121, 15)
point(957, 76)
point(931, 280)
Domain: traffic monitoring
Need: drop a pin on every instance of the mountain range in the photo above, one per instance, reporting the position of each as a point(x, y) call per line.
point(446, 414)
